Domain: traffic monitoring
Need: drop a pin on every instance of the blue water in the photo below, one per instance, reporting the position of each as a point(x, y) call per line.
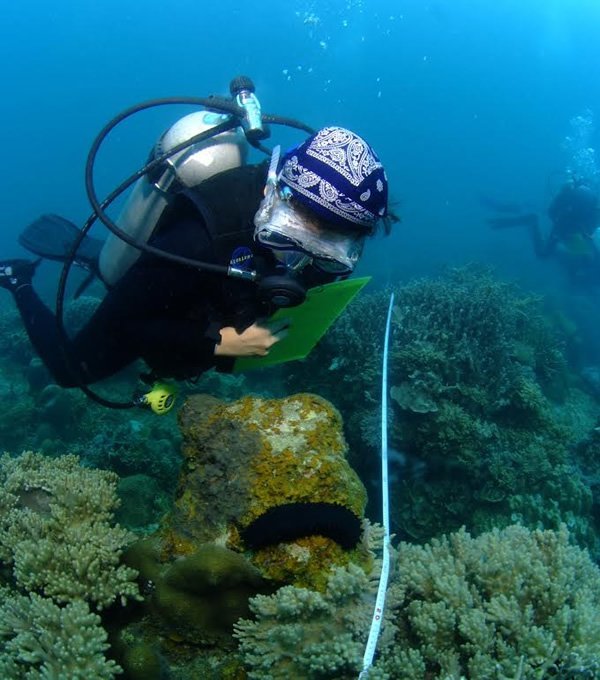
point(455, 95)
point(458, 97)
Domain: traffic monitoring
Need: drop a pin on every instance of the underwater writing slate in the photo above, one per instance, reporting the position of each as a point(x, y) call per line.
point(308, 323)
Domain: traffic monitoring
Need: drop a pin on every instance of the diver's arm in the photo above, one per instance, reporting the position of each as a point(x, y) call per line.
point(254, 341)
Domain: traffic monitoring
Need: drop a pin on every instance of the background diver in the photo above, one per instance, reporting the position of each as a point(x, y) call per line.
point(573, 237)
point(300, 223)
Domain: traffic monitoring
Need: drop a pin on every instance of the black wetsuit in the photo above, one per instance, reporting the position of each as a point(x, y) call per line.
point(167, 314)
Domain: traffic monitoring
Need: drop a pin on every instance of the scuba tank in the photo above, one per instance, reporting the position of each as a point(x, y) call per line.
point(151, 193)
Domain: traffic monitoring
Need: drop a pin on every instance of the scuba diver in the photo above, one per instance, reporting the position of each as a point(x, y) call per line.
point(573, 239)
point(261, 235)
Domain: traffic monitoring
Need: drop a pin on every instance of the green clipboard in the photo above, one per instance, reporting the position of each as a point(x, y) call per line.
point(308, 323)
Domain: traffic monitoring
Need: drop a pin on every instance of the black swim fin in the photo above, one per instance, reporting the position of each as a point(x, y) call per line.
point(53, 236)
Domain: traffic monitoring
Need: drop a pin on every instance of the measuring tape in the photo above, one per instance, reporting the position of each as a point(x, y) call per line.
point(385, 511)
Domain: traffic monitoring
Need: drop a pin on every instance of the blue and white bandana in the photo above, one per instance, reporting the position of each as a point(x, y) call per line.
point(337, 174)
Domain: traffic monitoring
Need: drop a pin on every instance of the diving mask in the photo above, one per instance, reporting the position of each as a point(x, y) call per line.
point(283, 225)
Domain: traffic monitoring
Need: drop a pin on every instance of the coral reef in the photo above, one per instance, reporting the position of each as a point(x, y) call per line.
point(60, 554)
point(17, 417)
point(141, 445)
point(304, 633)
point(265, 498)
point(301, 633)
point(484, 412)
point(38, 415)
point(488, 429)
point(587, 457)
point(513, 603)
point(143, 503)
point(481, 358)
point(59, 411)
point(509, 604)
point(470, 334)
point(56, 532)
point(52, 641)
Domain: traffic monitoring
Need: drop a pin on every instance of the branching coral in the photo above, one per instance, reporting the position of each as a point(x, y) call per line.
point(512, 604)
point(472, 331)
point(43, 640)
point(509, 604)
point(56, 531)
point(62, 551)
point(300, 633)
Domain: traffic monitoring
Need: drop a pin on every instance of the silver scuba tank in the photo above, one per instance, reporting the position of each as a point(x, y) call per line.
point(189, 167)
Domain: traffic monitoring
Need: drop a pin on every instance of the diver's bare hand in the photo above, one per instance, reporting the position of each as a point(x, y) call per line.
point(255, 341)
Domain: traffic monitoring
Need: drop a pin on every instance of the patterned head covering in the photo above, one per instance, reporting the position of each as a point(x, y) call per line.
point(337, 174)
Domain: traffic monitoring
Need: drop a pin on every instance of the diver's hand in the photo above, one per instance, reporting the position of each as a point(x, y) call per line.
point(255, 341)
